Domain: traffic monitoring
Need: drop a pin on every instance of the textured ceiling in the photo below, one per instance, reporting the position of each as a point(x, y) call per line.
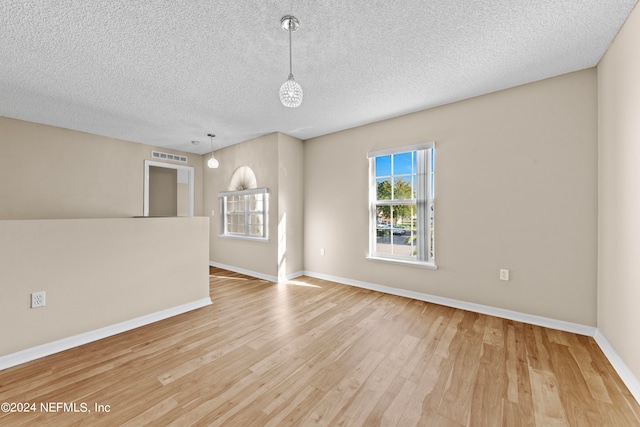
point(168, 72)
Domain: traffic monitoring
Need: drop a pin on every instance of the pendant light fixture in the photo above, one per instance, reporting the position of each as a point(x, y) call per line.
point(212, 163)
point(290, 91)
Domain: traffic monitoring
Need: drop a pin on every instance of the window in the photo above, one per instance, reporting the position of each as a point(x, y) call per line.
point(401, 210)
point(244, 213)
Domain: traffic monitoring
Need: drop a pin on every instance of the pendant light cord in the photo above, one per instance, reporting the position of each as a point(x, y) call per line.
point(211, 135)
point(290, 60)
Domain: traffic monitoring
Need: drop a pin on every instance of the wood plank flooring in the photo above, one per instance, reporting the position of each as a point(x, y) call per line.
point(316, 353)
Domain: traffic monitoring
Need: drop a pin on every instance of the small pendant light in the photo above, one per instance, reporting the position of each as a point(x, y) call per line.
point(290, 91)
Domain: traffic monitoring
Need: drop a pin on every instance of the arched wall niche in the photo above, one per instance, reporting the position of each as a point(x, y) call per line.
point(243, 178)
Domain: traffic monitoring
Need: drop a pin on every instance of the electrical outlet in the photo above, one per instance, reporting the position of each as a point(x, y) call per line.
point(322, 251)
point(37, 299)
point(504, 274)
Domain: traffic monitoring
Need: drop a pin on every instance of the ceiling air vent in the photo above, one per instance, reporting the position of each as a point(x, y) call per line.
point(167, 156)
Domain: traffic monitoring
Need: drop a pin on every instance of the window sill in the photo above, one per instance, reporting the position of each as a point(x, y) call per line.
point(253, 239)
point(427, 265)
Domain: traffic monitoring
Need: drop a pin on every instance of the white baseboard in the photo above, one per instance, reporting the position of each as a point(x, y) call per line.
point(43, 350)
point(244, 271)
point(469, 306)
point(632, 383)
point(254, 273)
point(295, 275)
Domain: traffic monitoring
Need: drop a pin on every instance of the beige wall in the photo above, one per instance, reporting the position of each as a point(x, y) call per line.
point(277, 162)
point(52, 173)
point(96, 273)
point(516, 182)
point(182, 198)
point(163, 191)
point(619, 194)
point(290, 205)
point(261, 155)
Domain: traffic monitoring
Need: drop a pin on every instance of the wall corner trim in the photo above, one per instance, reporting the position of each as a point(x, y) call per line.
point(43, 350)
point(632, 383)
point(294, 275)
point(244, 271)
point(262, 276)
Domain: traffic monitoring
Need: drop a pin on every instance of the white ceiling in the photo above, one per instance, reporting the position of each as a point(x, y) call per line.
point(166, 72)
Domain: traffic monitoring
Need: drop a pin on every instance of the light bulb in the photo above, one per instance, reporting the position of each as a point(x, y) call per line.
point(213, 163)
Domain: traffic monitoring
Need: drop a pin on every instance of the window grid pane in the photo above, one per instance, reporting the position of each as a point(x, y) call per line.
point(255, 224)
point(255, 202)
point(235, 223)
point(244, 214)
point(404, 182)
point(384, 190)
point(402, 188)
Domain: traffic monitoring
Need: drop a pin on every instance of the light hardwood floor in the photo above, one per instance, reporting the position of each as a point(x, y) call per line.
point(312, 352)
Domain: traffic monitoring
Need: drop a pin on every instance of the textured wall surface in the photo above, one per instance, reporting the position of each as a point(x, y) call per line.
point(52, 173)
point(619, 194)
point(515, 188)
point(96, 273)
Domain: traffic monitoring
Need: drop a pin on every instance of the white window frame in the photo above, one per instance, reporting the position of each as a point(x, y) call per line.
point(424, 202)
point(247, 214)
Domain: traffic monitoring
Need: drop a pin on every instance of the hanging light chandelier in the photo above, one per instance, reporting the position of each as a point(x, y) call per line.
point(290, 91)
point(213, 162)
